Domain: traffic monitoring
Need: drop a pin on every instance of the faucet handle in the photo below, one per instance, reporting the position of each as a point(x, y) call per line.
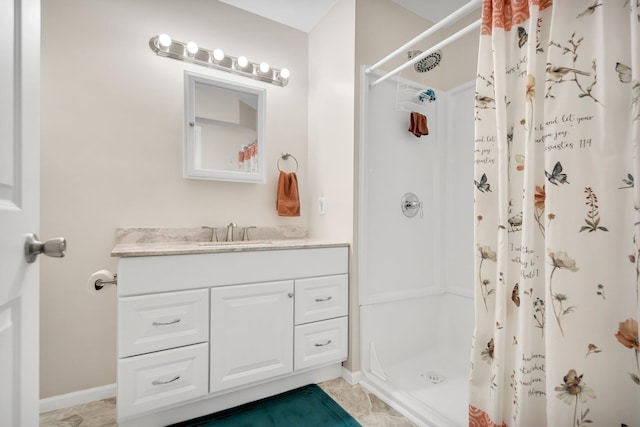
point(245, 233)
point(213, 232)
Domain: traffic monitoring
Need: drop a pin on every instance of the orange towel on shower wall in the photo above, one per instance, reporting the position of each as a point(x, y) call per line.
point(418, 125)
point(288, 199)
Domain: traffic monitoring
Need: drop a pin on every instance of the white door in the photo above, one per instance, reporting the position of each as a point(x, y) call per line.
point(19, 215)
point(251, 333)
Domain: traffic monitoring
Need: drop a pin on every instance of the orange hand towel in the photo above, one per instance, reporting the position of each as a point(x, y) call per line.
point(418, 125)
point(288, 200)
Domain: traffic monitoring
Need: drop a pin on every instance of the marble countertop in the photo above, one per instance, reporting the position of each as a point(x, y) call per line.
point(181, 248)
point(133, 242)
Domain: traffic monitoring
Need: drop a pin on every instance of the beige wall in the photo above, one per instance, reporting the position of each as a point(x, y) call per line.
point(112, 153)
point(331, 132)
point(112, 143)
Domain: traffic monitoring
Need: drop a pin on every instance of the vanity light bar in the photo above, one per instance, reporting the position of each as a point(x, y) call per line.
point(162, 45)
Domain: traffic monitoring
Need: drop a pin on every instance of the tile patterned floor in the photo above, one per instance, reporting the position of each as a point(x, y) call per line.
point(101, 413)
point(366, 408)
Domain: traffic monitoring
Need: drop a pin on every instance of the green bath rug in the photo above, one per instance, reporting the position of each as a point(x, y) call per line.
point(307, 406)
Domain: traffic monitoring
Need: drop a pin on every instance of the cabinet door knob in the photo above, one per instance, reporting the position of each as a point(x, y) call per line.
point(290, 294)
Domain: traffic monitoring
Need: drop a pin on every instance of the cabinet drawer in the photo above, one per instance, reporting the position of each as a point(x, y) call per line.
point(320, 342)
point(321, 298)
point(157, 322)
point(159, 379)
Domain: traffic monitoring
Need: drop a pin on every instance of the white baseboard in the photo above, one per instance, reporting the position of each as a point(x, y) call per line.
point(352, 378)
point(77, 398)
point(106, 391)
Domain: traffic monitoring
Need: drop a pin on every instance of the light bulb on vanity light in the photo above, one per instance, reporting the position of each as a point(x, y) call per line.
point(284, 73)
point(164, 40)
point(264, 68)
point(218, 55)
point(192, 48)
point(242, 61)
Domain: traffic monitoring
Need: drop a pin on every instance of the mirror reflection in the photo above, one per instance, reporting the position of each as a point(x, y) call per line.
point(225, 131)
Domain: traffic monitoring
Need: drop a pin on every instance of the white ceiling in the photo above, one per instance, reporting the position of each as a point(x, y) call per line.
point(305, 14)
point(432, 10)
point(300, 14)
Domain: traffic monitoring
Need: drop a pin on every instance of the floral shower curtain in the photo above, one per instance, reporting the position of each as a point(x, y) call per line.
point(557, 215)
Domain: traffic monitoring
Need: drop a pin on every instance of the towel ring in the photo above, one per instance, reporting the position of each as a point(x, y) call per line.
point(286, 156)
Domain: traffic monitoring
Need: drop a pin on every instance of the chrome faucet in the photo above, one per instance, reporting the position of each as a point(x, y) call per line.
point(230, 228)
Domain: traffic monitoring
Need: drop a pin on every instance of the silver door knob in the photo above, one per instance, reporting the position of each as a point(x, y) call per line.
point(55, 247)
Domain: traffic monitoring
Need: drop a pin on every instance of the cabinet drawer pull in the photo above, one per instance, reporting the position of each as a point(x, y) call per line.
point(323, 344)
point(158, 382)
point(174, 321)
point(323, 299)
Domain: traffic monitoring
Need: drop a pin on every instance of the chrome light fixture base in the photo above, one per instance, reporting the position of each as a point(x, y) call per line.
point(205, 57)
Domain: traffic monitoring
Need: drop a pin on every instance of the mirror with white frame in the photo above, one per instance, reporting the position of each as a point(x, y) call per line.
point(224, 129)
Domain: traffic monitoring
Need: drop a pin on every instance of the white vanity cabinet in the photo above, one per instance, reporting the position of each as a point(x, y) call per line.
point(202, 332)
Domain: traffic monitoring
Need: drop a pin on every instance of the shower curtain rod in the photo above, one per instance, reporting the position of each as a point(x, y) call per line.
point(454, 17)
point(443, 43)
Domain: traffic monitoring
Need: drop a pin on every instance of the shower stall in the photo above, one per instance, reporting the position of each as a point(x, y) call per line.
point(416, 248)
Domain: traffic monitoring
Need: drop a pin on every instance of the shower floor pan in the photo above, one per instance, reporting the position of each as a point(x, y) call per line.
point(431, 389)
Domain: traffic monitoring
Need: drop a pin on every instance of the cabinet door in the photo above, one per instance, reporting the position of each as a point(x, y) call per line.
point(251, 333)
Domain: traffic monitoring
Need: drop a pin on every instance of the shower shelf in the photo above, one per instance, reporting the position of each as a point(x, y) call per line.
point(407, 98)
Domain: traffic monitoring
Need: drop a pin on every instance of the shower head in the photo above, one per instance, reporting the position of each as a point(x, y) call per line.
point(427, 63)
